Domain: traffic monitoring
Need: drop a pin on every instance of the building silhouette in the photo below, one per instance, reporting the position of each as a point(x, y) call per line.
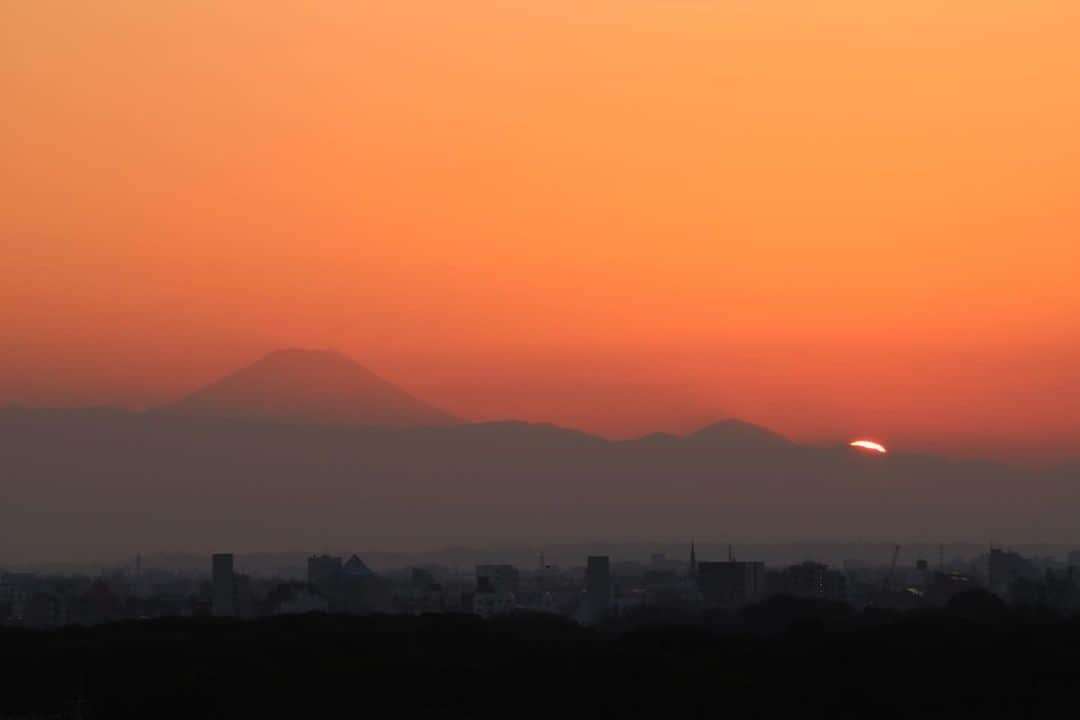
point(323, 570)
point(361, 590)
point(810, 580)
point(496, 589)
point(1005, 568)
point(597, 587)
point(731, 584)
point(223, 596)
point(324, 577)
point(502, 578)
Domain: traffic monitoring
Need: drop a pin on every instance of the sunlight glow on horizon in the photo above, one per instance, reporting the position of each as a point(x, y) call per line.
point(870, 445)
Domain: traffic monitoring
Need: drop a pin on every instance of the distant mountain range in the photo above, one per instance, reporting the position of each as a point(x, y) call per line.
point(306, 450)
point(312, 386)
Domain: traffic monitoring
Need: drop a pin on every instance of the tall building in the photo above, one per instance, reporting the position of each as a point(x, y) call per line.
point(503, 579)
point(1005, 568)
point(324, 574)
point(243, 600)
point(731, 584)
point(223, 597)
point(810, 579)
point(361, 590)
point(597, 587)
point(496, 589)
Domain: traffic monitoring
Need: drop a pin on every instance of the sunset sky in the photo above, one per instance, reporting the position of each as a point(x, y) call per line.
point(836, 218)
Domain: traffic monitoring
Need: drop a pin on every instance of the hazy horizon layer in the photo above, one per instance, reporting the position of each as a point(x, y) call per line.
point(107, 482)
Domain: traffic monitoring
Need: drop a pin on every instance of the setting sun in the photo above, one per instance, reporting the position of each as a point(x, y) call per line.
point(870, 445)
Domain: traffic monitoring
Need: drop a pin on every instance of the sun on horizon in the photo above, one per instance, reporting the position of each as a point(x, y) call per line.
point(870, 445)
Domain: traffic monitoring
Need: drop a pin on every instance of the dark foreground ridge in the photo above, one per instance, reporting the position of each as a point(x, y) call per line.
point(973, 657)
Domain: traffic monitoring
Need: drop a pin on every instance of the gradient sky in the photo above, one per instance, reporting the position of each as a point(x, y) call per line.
point(835, 218)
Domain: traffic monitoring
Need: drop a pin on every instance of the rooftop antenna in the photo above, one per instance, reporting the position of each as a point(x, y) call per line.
point(941, 558)
point(730, 556)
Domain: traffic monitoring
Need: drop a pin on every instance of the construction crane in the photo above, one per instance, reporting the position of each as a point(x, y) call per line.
point(892, 567)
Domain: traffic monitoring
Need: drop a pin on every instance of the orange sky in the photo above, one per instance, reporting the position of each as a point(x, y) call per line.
point(834, 218)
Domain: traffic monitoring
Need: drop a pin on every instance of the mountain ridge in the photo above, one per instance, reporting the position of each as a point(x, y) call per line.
point(322, 386)
point(123, 479)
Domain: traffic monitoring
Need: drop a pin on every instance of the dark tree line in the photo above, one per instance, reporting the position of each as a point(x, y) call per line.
point(975, 656)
